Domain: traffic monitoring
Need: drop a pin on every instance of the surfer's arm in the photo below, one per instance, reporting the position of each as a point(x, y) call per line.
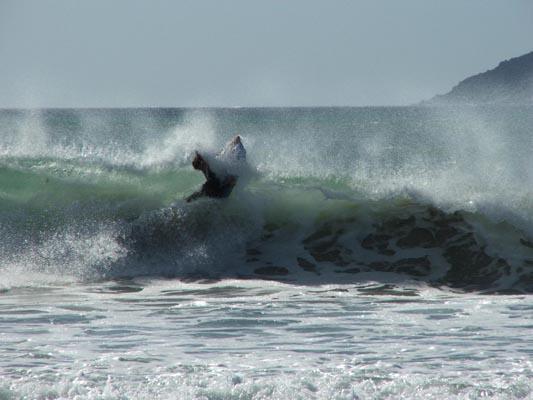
point(199, 163)
point(194, 196)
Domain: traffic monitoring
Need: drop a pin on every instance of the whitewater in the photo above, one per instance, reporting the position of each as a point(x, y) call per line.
point(364, 253)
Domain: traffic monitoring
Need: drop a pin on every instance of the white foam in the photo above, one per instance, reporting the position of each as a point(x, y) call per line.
point(177, 146)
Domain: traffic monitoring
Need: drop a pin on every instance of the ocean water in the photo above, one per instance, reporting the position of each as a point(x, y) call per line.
point(365, 253)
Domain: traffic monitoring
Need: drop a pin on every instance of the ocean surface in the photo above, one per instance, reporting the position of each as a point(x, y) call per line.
point(365, 253)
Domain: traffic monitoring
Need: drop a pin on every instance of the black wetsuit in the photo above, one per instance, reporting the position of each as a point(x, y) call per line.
point(214, 186)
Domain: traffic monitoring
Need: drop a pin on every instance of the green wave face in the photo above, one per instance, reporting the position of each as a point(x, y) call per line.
point(46, 184)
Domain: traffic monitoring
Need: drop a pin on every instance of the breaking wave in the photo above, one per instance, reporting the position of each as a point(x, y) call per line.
point(333, 195)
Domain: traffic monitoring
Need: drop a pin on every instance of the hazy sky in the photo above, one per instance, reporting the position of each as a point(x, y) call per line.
point(121, 53)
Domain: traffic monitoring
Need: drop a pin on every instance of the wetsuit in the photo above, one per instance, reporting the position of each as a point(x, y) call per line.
point(215, 186)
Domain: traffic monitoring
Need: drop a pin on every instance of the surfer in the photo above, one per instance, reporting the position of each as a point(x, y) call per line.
point(219, 185)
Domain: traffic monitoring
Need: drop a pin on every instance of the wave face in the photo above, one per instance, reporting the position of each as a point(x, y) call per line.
point(438, 195)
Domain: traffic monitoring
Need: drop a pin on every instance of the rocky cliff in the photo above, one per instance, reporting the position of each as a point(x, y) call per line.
point(510, 83)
